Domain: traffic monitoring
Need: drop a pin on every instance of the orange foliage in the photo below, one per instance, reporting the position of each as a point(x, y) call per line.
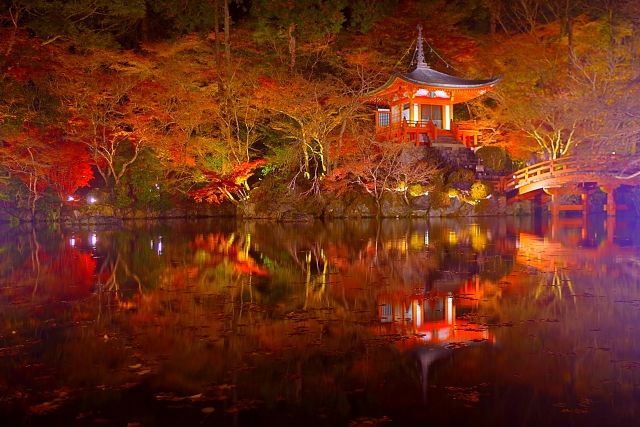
point(226, 187)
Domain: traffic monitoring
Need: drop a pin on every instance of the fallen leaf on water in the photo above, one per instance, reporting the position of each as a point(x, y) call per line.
point(45, 407)
point(207, 410)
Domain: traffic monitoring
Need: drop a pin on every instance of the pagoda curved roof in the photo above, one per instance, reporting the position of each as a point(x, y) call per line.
point(423, 75)
point(430, 77)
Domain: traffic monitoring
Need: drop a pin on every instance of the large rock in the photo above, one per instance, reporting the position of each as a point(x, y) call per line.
point(335, 208)
point(456, 208)
point(277, 209)
point(362, 206)
point(420, 203)
point(393, 205)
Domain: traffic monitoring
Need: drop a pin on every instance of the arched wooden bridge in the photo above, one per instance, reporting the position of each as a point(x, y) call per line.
point(551, 176)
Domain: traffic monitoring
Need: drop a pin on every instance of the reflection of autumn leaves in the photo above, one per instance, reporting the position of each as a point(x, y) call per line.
point(219, 248)
point(66, 273)
point(73, 271)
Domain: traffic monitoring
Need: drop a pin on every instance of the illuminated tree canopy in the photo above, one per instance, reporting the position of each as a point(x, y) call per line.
point(141, 86)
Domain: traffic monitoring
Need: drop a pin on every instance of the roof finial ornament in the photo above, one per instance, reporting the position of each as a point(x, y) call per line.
point(420, 62)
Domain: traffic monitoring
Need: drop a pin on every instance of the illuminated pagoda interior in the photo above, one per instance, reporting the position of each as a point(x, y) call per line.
point(418, 105)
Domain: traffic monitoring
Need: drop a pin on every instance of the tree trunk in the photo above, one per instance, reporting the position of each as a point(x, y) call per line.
point(227, 41)
point(570, 46)
point(292, 47)
point(494, 7)
point(216, 29)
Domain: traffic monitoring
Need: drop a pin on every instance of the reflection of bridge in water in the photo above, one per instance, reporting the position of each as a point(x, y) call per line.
point(558, 250)
point(555, 177)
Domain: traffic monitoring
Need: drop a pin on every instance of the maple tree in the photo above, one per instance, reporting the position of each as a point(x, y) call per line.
point(113, 112)
point(231, 187)
point(312, 118)
point(41, 159)
point(173, 109)
point(71, 169)
point(379, 167)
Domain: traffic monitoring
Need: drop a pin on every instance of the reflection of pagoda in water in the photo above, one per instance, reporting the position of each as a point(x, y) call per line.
point(432, 325)
point(433, 318)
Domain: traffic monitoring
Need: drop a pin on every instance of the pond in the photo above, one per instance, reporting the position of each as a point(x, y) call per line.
point(500, 322)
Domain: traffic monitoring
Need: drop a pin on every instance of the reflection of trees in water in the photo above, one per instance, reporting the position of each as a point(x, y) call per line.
point(290, 307)
point(40, 264)
point(554, 286)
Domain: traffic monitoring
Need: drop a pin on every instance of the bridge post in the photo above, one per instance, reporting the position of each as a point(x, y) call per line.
point(610, 226)
point(610, 207)
point(584, 196)
point(554, 206)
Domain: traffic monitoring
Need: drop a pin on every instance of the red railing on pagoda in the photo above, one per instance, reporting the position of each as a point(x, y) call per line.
point(425, 132)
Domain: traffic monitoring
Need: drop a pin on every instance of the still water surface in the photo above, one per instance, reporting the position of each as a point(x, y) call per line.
point(473, 322)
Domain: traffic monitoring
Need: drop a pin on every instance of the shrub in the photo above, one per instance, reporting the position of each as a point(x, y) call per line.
point(480, 190)
point(494, 158)
point(461, 178)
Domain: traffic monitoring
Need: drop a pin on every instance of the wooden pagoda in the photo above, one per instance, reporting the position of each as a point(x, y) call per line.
point(418, 105)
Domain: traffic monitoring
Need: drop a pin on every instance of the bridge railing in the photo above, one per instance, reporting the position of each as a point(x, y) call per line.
point(539, 171)
point(570, 165)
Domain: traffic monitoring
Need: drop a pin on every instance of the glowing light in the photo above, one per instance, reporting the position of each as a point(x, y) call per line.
point(72, 241)
point(447, 117)
point(159, 245)
point(613, 152)
point(92, 199)
point(432, 93)
point(450, 309)
point(70, 199)
point(94, 239)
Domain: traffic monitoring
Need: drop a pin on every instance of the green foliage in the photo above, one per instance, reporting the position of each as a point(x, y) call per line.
point(472, 15)
point(363, 14)
point(494, 158)
point(313, 19)
point(173, 17)
point(143, 186)
point(87, 22)
point(287, 27)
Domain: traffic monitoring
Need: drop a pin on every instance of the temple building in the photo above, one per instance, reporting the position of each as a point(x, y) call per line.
point(418, 105)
